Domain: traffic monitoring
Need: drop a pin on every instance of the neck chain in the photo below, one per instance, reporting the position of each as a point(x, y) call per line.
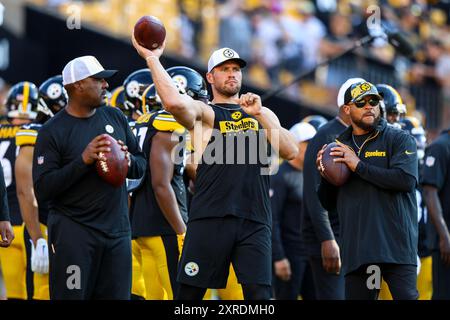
point(354, 141)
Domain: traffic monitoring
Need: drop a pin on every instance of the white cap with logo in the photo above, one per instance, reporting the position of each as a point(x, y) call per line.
point(224, 54)
point(303, 131)
point(83, 67)
point(347, 84)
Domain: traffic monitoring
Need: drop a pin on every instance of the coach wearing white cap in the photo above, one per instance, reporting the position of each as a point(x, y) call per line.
point(88, 224)
point(320, 229)
point(229, 220)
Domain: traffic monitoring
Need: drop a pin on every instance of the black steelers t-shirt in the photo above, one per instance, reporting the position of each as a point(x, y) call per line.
point(233, 176)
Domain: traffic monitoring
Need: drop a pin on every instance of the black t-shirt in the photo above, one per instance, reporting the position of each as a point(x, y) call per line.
point(286, 190)
point(147, 219)
point(233, 176)
point(8, 153)
point(377, 206)
point(73, 188)
point(318, 225)
point(436, 171)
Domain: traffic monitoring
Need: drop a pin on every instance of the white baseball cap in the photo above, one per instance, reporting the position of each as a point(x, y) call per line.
point(303, 131)
point(224, 54)
point(83, 67)
point(347, 84)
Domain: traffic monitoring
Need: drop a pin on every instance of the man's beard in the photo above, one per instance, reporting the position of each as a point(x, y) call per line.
point(367, 126)
point(229, 92)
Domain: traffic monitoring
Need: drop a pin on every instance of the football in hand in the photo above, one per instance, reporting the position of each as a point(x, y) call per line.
point(336, 173)
point(115, 169)
point(149, 32)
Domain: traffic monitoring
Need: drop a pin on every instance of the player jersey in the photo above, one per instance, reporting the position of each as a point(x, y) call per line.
point(147, 219)
point(27, 136)
point(8, 153)
point(232, 178)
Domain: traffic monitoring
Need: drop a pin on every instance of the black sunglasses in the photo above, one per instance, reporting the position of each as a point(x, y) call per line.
point(361, 103)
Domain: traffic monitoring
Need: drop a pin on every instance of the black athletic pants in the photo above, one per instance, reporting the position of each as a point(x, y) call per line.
point(85, 264)
point(401, 279)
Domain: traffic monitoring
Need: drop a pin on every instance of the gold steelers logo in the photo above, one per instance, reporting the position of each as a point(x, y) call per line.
point(236, 115)
point(366, 86)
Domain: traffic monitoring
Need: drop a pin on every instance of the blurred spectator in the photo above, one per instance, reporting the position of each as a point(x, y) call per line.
point(268, 33)
point(311, 32)
point(235, 29)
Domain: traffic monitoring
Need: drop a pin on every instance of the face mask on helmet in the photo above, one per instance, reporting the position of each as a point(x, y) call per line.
point(151, 102)
point(52, 96)
point(392, 102)
point(134, 86)
point(189, 81)
point(22, 101)
point(117, 99)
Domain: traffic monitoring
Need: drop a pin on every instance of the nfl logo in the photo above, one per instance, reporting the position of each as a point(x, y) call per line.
point(40, 160)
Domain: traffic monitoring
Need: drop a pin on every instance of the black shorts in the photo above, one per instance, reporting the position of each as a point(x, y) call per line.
point(85, 264)
point(212, 243)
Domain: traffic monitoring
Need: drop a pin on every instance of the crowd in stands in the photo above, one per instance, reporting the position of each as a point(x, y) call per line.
point(284, 38)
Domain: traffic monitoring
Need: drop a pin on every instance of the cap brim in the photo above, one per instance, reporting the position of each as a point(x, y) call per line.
point(241, 62)
point(367, 94)
point(105, 74)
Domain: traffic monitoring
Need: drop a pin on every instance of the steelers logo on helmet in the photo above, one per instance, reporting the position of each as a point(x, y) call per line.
point(191, 269)
point(193, 83)
point(134, 85)
point(236, 115)
point(181, 82)
point(54, 91)
point(133, 89)
point(52, 98)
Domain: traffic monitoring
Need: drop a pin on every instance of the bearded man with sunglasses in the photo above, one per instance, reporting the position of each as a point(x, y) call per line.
point(377, 205)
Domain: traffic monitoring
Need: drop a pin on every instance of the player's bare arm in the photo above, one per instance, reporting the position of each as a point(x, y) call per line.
point(27, 200)
point(285, 144)
point(184, 109)
point(161, 166)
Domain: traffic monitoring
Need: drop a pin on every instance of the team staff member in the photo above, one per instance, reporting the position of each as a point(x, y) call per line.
point(6, 230)
point(436, 188)
point(229, 218)
point(21, 102)
point(292, 273)
point(320, 229)
point(377, 206)
point(88, 223)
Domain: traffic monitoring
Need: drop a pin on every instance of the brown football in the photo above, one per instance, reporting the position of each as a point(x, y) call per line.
point(336, 173)
point(115, 169)
point(149, 32)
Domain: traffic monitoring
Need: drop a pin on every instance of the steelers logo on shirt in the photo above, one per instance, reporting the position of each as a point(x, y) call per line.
point(191, 269)
point(236, 115)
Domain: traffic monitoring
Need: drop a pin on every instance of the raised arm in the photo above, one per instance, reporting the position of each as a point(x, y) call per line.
point(281, 139)
point(184, 109)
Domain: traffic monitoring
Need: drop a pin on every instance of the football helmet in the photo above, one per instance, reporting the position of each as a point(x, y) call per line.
point(134, 86)
point(189, 81)
point(22, 101)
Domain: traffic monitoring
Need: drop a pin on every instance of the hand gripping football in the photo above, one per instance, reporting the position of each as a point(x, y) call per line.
point(115, 169)
point(149, 32)
point(336, 173)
